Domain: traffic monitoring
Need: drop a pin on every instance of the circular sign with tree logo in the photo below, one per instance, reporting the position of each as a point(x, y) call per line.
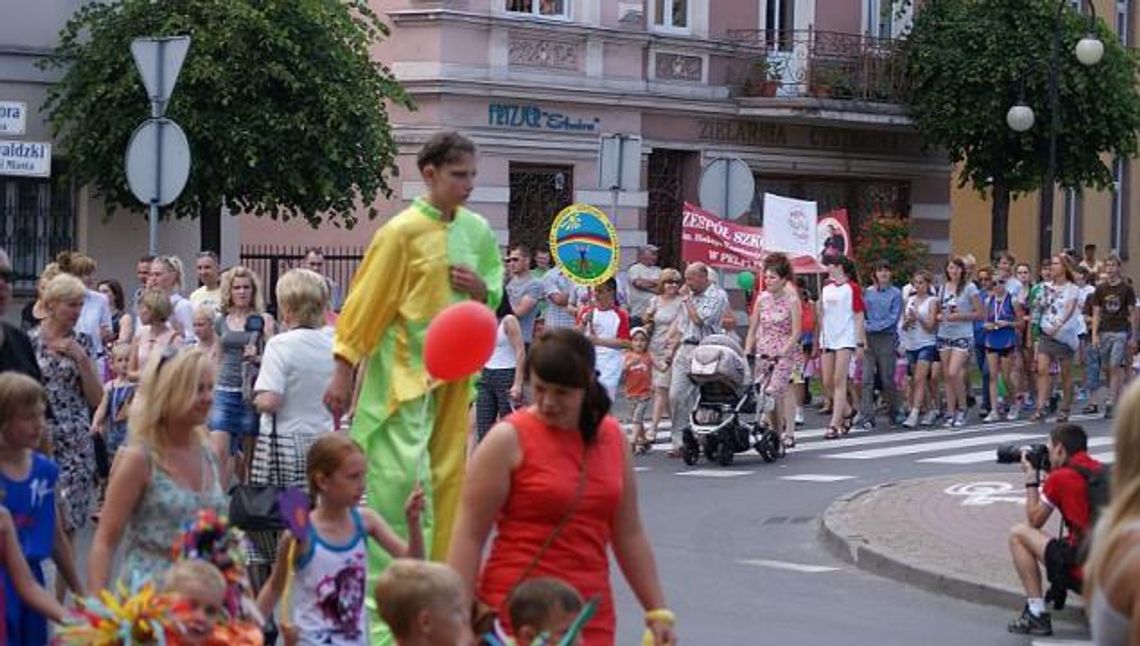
point(584, 244)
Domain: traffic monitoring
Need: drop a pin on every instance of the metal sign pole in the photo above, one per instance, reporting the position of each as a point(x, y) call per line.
point(156, 112)
point(615, 190)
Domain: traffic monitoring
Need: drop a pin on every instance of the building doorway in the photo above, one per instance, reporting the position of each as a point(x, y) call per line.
point(538, 193)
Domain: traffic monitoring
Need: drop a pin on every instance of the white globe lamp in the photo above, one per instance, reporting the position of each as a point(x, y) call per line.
point(1020, 118)
point(1090, 50)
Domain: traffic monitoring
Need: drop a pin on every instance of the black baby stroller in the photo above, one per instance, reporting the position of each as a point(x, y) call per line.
point(723, 421)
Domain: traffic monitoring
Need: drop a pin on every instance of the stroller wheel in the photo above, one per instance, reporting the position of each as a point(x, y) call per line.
point(768, 446)
point(712, 443)
point(725, 454)
point(690, 453)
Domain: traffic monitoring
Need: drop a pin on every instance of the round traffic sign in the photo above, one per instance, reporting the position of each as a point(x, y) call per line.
point(727, 188)
point(158, 161)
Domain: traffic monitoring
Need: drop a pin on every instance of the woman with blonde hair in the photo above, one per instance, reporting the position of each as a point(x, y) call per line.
point(154, 333)
point(33, 312)
point(95, 319)
point(296, 367)
point(167, 473)
point(166, 274)
point(238, 355)
point(1112, 573)
point(67, 361)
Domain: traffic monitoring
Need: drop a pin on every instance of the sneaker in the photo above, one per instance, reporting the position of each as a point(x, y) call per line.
point(1108, 411)
point(1091, 409)
point(992, 417)
point(868, 424)
point(1013, 414)
point(959, 419)
point(799, 416)
point(931, 418)
point(911, 420)
point(949, 421)
point(1029, 624)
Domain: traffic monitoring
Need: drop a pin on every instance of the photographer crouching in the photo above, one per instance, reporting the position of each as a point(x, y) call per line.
point(1068, 468)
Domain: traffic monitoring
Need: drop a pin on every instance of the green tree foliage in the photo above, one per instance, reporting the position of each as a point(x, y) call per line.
point(888, 238)
point(971, 60)
point(283, 104)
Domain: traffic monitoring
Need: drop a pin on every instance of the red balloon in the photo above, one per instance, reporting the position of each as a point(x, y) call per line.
point(459, 341)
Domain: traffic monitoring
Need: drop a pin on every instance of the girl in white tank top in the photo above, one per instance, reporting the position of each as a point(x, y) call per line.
point(331, 562)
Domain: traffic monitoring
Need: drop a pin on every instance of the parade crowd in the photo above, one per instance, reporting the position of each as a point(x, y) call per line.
point(444, 512)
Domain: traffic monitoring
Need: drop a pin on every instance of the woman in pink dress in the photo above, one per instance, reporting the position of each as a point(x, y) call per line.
point(774, 332)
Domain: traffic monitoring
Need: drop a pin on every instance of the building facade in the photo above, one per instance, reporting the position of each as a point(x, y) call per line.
point(792, 87)
point(804, 91)
point(1081, 217)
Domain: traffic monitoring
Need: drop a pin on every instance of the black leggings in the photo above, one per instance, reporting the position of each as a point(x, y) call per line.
point(494, 399)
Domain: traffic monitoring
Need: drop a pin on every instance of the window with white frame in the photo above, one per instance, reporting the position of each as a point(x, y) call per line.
point(544, 8)
point(1118, 226)
point(671, 14)
point(1072, 210)
point(779, 23)
point(1123, 15)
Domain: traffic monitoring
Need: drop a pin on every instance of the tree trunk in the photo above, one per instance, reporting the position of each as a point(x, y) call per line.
point(999, 222)
point(210, 227)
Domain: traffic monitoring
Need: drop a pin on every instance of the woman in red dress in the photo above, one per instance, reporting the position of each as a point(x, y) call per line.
point(556, 482)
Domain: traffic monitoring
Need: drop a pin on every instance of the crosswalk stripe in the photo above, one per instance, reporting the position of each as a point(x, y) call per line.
point(861, 439)
point(816, 477)
point(977, 457)
point(929, 447)
point(1107, 457)
point(715, 473)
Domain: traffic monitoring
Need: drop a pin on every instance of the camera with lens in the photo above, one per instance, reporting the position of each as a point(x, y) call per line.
point(1036, 454)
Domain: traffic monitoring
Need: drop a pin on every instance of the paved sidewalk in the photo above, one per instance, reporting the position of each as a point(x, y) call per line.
point(947, 534)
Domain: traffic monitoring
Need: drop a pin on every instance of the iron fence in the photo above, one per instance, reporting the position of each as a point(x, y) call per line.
point(824, 64)
point(269, 262)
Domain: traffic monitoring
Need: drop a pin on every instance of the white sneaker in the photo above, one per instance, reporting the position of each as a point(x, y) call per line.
point(930, 418)
point(799, 415)
point(950, 421)
point(994, 416)
point(959, 419)
point(1014, 413)
point(911, 420)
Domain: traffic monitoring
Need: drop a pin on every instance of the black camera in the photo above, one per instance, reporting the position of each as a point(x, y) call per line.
point(1036, 454)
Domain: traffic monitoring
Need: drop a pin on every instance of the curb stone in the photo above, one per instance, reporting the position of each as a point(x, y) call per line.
point(857, 550)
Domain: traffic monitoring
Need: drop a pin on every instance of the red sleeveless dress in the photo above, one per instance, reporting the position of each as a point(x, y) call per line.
point(543, 488)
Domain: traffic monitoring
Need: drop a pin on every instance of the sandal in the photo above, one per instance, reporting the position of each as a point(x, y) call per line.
point(1038, 415)
point(789, 441)
point(1062, 417)
point(833, 433)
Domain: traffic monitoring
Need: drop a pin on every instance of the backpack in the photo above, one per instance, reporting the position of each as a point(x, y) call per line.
point(1098, 492)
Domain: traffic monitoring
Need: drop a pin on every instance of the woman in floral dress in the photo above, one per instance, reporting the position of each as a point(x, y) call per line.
point(774, 332)
point(67, 361)
point(660, 315)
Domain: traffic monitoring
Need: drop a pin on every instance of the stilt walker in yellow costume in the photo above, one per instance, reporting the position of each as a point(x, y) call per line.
point(429, 256)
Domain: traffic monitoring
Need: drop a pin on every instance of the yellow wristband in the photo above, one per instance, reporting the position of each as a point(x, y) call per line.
point(663, 615)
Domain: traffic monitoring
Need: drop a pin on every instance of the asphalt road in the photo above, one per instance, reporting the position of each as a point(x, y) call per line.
point(741, 561)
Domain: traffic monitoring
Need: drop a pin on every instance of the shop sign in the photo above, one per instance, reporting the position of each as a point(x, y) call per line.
point(25, 158)
point(532, 117)
point(759, 133)
point(13, 118)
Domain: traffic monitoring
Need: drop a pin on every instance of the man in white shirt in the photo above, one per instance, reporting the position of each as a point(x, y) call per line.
point(208, 275)
point(644, 283)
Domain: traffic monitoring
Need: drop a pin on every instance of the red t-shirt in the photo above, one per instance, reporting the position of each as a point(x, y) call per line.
point(1066, 490)
point(637, 375)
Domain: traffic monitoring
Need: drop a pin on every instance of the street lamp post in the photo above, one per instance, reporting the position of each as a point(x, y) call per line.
point(1020, 118)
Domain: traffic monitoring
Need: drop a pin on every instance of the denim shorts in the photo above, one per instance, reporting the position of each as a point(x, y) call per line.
point(965, 344)
point(1113, 349)
point(928, 354)
point(231, 414)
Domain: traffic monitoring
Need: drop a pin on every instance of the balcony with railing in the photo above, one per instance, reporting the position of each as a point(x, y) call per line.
point(820, 64)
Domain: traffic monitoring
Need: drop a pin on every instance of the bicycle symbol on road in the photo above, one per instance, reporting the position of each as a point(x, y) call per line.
point(979, 494)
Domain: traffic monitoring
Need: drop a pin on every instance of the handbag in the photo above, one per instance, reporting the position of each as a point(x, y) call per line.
point(483, 615)
point(253, 507)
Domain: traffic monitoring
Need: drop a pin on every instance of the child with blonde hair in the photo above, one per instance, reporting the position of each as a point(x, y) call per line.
point(204, 317)
point(27, 485)
point(110, 418)
point(329, 584)
point(423, 604)
point(199, 591)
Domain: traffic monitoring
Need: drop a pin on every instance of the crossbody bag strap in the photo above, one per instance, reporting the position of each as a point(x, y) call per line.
point(561, 525)
point(276, 478)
